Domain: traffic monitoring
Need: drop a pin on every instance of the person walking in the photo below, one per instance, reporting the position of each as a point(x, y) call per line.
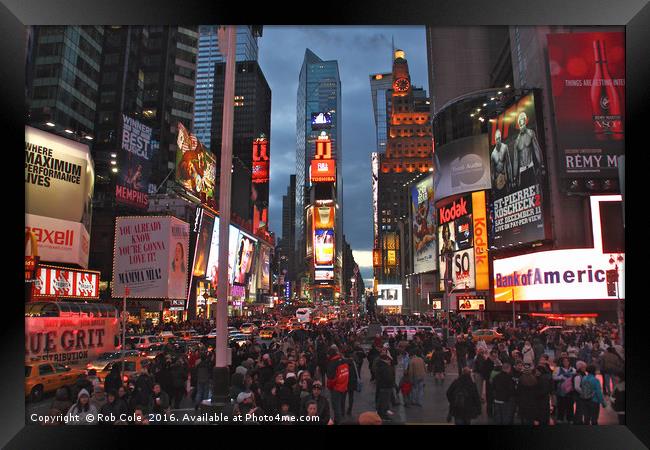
point(438, 364)
point(355, 380)
point(610, 363)
point(592, 395)
point(580, 416)
point(563, 377)
point(203, 369)
point(338, 380)
point(503, 390)
point(618, 397)
point(464, 401)
point(385, 379)
point(416, 372)
point(461, 353)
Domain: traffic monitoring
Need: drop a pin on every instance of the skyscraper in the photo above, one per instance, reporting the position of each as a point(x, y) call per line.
point(288, 246)
point(380, 86)
point(63, 70)
point(409, 151)
point(319, 91)
point(208, 56)
point(252, 119)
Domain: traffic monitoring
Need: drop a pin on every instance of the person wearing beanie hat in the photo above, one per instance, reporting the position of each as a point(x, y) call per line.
point(98, 398)
point(370, 418)
point(82, 412)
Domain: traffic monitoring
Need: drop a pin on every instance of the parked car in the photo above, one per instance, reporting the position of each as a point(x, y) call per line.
point(44, 377)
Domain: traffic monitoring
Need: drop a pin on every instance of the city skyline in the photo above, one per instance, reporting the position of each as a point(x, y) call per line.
point(360, 52)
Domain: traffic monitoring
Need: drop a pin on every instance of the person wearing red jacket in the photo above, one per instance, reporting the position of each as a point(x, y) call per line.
point(338, 379)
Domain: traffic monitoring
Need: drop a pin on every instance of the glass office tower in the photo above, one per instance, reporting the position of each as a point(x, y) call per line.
point(208, 56)
point(319, 90)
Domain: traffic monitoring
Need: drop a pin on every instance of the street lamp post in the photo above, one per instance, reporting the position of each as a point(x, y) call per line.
point(619, 309)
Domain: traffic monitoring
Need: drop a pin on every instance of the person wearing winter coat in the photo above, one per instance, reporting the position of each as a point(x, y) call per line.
point(528, 354)
point(179, 375)
point(113, 380)
point(82, 412)
point(416, 372)
point(610, 364)
point(563, 377)
point(98, 398)
point(114, 406)
point(592, 394)
point(160, 400)
point(618, 397)
point(322, 405)
point(528, 396)
point(61, 401)
point(464, 401)
point(385, 378)
point(503, 392)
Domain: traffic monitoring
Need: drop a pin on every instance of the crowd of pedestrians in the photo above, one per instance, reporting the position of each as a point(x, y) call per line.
point(526, 378)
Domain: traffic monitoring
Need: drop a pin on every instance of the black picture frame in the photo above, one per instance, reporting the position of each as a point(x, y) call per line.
point(15, 14)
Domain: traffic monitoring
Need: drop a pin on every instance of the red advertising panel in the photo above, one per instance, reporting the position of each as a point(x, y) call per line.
point(588, 81)
point(61, 282)
point(323, 170)
point(260, 186)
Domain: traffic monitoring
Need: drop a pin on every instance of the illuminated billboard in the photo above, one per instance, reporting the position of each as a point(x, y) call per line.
point(136, 151)
point(212, 273)
point(424, 235)
point(462, 240)
point(244, 259)
point(323, 170)
point(203, 243)
point(467, 303)
point(196, 168)
point(462, 165)
point(324, 275)
point(374, 160)
point(260, 182)
point(264, 279)
point(587, 73)
point(518, 176)
point(62, 282)
point(389, 295)
point(321, 120)
point(574, 274)
point(151, 257)
point(324, 247)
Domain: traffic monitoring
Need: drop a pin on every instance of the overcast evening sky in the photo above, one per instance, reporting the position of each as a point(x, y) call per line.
point(360, 52)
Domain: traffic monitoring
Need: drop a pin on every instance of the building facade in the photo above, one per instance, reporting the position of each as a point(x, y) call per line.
point(409, 153)
point(62, 78)
point(319, 91)
point(209, 54)
point(252, 119)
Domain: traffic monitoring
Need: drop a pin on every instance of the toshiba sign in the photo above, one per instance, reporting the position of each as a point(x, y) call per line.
point(58, 240)
point(323, 170)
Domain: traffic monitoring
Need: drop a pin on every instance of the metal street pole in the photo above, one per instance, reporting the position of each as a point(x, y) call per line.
point(619, 311)
point(513, 308)
point(221, 371)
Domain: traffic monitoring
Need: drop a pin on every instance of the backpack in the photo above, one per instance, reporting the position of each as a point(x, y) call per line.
point(587, 389)
point(460, 400)
point(567, 385)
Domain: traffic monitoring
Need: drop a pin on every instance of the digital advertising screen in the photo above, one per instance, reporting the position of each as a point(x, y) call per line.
point(324, 275)
point(518, 178)
point(212, 273)
point(323, 170)
point(324, 247)
point(244, 258)
point(321, 120)
point(389, 295)
point(265, 268)
point(587, 73)
point(424, 236)
point(203, 244)
point(470, 303)
point(196, 168)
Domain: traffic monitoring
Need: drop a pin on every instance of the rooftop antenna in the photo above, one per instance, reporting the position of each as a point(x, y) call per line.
point(392, 55)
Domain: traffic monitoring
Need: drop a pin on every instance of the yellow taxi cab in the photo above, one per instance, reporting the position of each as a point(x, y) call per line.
point(267, 333)
point(132, 366)
point(43, 377)
point(486, 335)
point(295, 326)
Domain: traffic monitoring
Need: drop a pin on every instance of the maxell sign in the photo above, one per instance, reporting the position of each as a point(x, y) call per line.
point(58, 240)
